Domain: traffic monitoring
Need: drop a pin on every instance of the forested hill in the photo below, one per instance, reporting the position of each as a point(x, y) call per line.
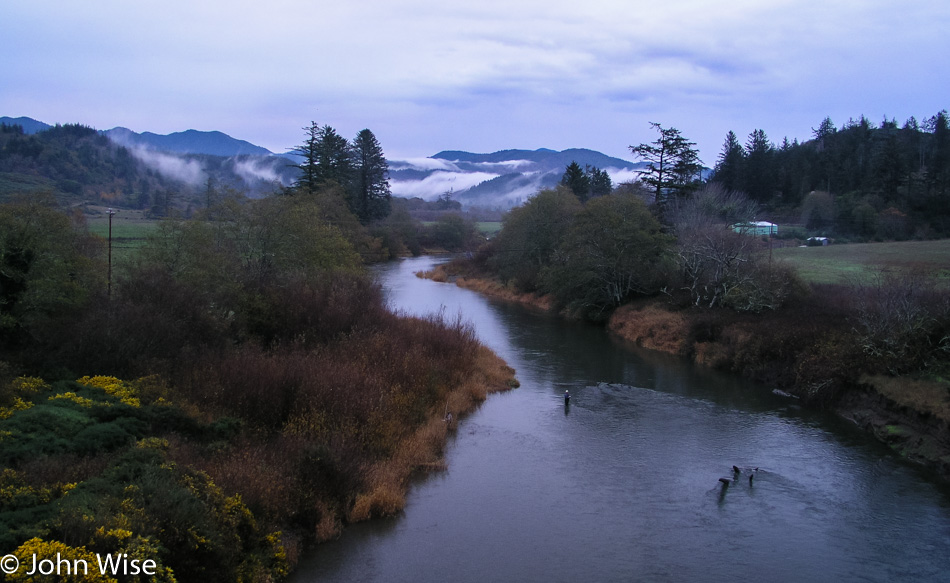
point(863, 179)
point(75, 163)
point(78, 164)
point(188, 142)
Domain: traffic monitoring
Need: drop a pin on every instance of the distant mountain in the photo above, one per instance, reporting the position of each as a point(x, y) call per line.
point(543, 158)
point(187, 142)
point(212, 143)
point(29, 125)
point(78, 163)
point(499, 179)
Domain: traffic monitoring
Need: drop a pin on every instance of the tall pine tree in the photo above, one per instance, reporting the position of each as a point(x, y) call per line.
point(577, 180)
point(370, 194)
point(306, 183)
point(673, 165)
point(728, 171)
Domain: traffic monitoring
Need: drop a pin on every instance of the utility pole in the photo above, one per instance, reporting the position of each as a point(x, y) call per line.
point(111, 212)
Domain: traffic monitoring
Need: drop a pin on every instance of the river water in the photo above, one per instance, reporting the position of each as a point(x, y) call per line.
point(623, 485)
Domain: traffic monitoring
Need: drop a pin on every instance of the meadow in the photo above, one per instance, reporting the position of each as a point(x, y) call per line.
point(859, 262)
point(128, 226)
point(489, 228)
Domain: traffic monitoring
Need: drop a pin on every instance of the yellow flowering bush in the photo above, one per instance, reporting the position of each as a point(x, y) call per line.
point(71, 396)
point(25, 386)
point(22, 390)
point(113, 386)
point(18, 405)
point(16, 493)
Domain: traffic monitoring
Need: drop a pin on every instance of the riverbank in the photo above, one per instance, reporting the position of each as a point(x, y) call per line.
point(422, 450)
point(805, 350)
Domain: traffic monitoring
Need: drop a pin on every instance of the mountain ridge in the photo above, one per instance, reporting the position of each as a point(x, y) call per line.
point(212, 143)
point(29, 125)
point(502, 178)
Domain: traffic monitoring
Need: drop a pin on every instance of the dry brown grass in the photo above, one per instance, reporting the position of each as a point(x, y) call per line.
point(921, 395)
point(650, 326)
point(489, 287)
point(711, 354)
point(496, 289)
point(437, 274)
point(422, 450)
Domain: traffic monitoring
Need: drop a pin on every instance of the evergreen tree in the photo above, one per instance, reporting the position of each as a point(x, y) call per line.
point(673, 164)
point(334, 157)
point(370, 199)
point(308, 150)
point(824, 130)
point(326, 159)
point(728, 171)
point(938, 170)
point(759, 176)
point(600, 183)
point(576, 179)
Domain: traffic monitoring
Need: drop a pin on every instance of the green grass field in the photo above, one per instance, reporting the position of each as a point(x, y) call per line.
point(843, 263)
point(489, 228)
point(126, 224)
point(130, 228)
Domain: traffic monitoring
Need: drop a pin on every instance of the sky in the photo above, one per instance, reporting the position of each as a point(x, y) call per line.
point(476, 76)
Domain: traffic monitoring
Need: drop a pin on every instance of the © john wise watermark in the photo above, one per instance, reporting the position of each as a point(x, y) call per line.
point(114, 564)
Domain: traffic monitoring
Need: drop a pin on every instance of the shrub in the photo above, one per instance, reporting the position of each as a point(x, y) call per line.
point(901, 321)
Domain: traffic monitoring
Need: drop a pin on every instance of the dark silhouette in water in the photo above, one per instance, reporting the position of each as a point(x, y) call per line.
point(567, 398)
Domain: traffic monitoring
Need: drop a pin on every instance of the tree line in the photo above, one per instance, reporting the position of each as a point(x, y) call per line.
point(877, 180)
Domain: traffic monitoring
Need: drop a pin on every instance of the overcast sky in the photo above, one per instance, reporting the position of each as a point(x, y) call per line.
point(480, 76)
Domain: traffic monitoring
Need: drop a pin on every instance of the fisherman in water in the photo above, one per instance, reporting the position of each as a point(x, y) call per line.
point(567, 398)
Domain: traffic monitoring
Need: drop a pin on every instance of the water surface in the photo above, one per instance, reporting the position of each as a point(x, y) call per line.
point(623, 485)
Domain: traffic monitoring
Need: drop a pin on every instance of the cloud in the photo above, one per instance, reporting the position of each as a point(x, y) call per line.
point(438, 183)
point(503, 166)
point(621, 175)
point(252, 169)
point(423, 164)
point(187, 171)
point(479, 76)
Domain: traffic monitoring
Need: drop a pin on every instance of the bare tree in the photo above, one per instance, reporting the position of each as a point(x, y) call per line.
point(900, 319)
point(719, 265)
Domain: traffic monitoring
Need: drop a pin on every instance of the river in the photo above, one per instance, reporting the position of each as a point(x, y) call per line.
point(623, 485)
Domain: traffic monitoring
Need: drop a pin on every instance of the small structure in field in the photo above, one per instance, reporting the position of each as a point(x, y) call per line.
point(817, 241)
point(756, 228)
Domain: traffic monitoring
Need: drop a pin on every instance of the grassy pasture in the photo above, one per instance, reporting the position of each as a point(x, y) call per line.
point(130, 228)
point(489, 228)
point(841, 263)
point(126, 224)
